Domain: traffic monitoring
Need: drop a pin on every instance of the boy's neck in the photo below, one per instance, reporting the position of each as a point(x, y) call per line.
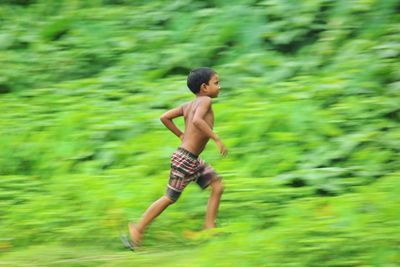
point(200, 94)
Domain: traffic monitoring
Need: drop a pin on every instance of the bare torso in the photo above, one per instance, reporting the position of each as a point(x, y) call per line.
point(195, 140)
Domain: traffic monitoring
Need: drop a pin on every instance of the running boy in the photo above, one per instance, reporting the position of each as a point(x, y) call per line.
point(186, 166)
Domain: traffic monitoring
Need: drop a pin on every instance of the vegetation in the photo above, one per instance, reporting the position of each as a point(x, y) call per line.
point(309, 109)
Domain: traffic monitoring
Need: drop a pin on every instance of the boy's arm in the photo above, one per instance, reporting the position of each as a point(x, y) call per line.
point(199, 122)
point(167, 118)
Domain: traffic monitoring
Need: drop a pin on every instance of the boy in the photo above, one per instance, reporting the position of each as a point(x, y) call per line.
point(185, 164)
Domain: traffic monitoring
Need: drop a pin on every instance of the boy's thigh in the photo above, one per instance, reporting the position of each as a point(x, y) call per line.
point(184, 169)
point(175, 187)
point(207, 175)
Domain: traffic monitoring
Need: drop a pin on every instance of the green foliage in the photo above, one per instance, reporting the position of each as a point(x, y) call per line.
point(308, 108)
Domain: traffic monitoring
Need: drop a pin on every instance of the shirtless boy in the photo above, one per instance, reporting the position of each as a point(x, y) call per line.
point(186, 166)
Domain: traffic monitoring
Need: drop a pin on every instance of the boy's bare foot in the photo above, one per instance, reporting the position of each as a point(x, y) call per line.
point(203, 234)
point(136, 236)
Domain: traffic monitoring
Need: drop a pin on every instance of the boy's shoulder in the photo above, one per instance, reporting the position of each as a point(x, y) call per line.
point(202, 100)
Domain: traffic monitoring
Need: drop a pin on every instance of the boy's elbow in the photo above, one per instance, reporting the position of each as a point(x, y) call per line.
point(196, 122)
point(164, 119)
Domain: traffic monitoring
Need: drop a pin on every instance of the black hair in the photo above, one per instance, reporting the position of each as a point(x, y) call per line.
point(197, 77)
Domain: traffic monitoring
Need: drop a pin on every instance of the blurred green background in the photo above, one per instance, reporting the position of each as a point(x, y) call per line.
point(309, 108)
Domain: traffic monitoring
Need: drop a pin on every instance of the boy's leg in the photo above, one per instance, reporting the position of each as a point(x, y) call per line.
point(183, 165)
point(151, 213)
point(217, 188)
point(209, 178)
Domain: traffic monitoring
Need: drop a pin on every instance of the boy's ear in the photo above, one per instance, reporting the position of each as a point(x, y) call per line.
point(203, 86)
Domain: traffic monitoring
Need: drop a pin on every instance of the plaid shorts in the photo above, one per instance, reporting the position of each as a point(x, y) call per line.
point(185, 168)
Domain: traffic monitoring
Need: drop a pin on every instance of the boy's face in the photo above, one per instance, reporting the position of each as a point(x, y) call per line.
point(213, 87)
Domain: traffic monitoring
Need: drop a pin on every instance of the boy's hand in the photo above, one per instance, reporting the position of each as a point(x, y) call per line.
point(221, 147)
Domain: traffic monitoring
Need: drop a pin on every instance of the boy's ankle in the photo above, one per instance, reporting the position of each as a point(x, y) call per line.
point(138, 229)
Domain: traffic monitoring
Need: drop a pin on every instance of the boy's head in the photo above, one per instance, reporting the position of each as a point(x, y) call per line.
point(203, 81)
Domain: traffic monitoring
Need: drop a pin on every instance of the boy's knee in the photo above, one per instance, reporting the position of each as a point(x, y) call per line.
point(172, 195)
point(170, 200)
point(218, 186)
